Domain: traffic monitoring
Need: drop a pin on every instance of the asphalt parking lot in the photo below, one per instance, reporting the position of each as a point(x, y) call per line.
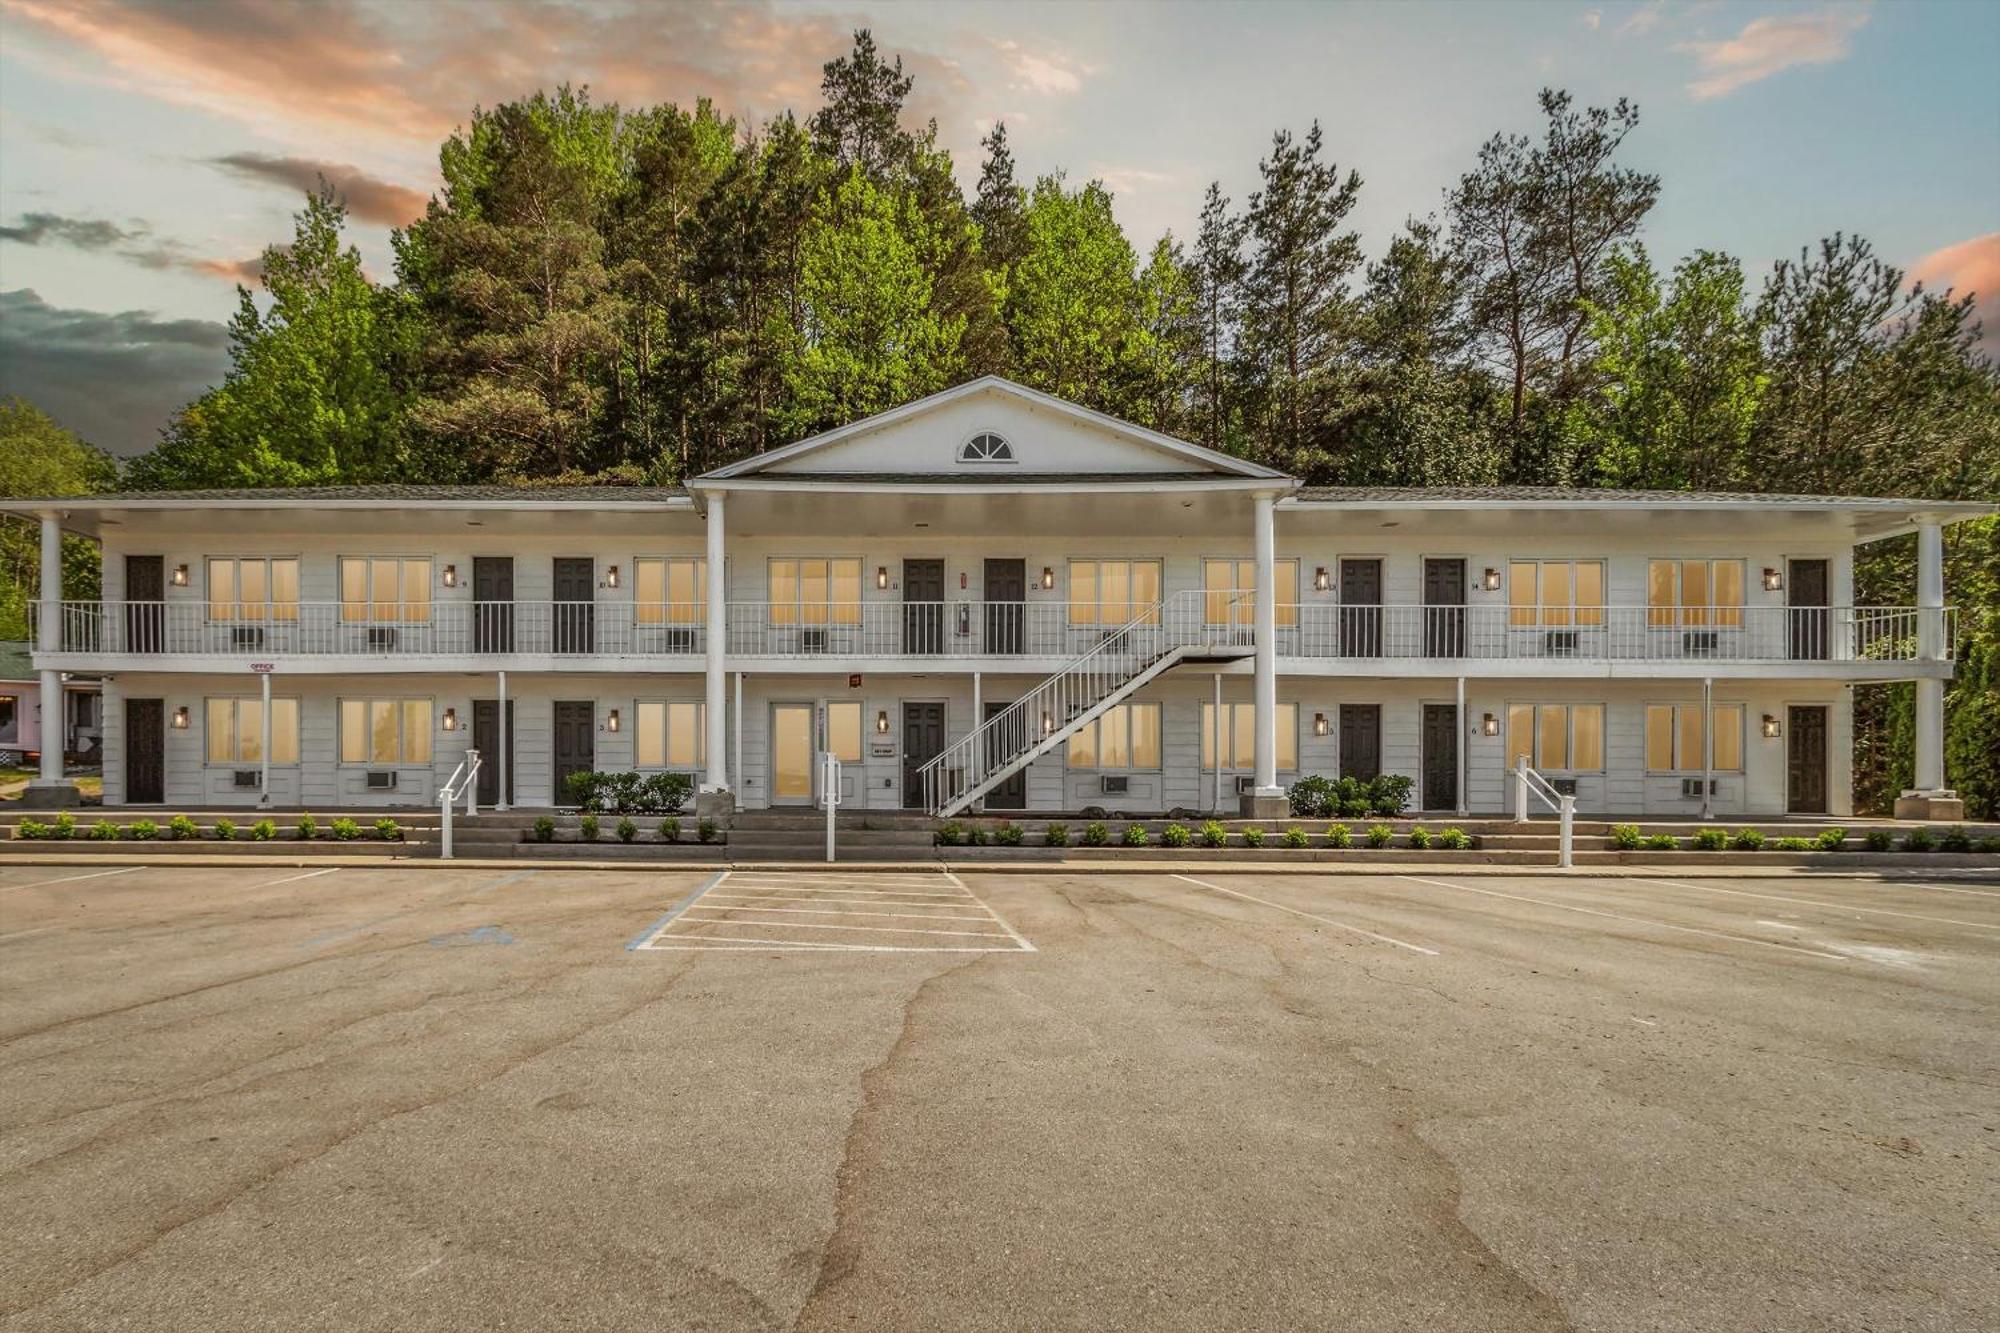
point(415, 1098)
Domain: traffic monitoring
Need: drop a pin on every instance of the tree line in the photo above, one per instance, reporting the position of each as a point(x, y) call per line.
point(638, 295)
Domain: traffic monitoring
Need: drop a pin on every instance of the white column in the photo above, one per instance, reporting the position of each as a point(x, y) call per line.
point(736, 721)
point(1930, 648)
point(713, 716)
point(1463, 732)
point(1707, 743)
point(1267, 648)
point(49, 640)
point(506, 750)
point(264, 740)
point(1215, 742)
point(978, 716)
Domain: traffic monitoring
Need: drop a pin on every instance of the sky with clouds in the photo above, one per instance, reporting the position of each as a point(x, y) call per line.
point(149, 149)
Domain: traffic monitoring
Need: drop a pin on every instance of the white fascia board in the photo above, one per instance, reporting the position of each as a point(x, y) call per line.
point(944, 486)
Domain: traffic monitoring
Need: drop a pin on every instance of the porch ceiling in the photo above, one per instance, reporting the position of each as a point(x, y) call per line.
point(1195, 510)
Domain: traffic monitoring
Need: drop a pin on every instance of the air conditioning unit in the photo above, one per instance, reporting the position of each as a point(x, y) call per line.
point(1560, 642)
point(1114, 785)
point(1245, 785)
point(1691, 788)
point(1564, 786)
point(1700, 642)
point(246, 636)
point(679, 640)
point(382, 779)
point(245, 779)
point(812, 640)
point(381, 636)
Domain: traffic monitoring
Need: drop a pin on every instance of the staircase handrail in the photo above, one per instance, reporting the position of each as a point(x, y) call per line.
point(1527, 781)
point(462, 782)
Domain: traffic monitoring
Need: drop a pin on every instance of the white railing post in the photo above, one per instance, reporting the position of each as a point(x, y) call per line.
point(830, 793)
point(1566, 842)
point(1521, 790)
point(471, 783)
point(444, 819)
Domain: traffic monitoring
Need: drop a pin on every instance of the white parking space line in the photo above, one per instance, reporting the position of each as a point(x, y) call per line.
point(1813, 902)
point(1939, 888)
point(853, 903)
point(71, 879)
point(1313, 916)
point(1630, 920)
point(293, 879)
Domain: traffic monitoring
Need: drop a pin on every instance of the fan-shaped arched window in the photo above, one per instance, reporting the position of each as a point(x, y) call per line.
point(986, 447)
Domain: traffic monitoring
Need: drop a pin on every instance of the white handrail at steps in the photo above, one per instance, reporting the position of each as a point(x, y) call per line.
point(1192, 622)
point(464, 781)
point(1528, 780)
point(829, 786)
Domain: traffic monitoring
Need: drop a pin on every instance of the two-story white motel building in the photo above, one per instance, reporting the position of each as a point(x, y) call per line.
point(993, 597)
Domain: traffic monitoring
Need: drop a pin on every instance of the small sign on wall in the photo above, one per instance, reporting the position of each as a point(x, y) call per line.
point(854, 680)
point(263, 668)
point(882, 749)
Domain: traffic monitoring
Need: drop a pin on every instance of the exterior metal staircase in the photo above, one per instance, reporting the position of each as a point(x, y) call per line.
point(1186, 627)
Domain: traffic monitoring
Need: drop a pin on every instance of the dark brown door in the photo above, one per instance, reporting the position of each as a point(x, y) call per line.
point(1360, 741)
point(145, 603)
point(576, 743)
point(575, 604)
point(1006, 607)
point(493, 604)
point(923, 737)
point(1805, 782)
point(1440, 742)
point(1003, 742)
point(1444, 608)
point(486, 740)
point(145, 751)
point(1806, 585)
point(923, 606)
point(1361, 608)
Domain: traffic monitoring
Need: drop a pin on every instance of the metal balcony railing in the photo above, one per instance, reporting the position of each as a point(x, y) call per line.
point(981, 629)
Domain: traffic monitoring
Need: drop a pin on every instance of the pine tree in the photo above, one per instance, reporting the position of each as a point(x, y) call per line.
point(860, 123)
point(1217, 273)
point(1000, 208)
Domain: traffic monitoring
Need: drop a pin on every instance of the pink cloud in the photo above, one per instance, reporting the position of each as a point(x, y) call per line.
point(1769, 46)
point(1970, 268)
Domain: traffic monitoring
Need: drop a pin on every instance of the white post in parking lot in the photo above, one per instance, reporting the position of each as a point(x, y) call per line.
point(1566, 843)
point(264, 742)
point(830, 793)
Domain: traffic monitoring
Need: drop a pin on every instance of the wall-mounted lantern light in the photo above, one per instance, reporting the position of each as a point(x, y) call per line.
point(1048, 724)
point(1489, 725)
point(181, 718)
point(451, 719)
point(611, 577)
point(451, 576)
point(611, 720)
point(180, 576)
point(1048, 578)
point(881, 721)
point(1770, 727)
point(882, 577)
point(1774, 579)
point(1319, 724)
point(1490, 580)
point(1322, 581)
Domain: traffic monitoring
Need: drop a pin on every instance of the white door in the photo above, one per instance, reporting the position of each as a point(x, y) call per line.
point(791, 754)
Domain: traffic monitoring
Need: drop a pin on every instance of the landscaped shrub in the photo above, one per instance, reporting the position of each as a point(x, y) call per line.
point(29, 829)
point(142, 830)
point(344, 829)
point(1350, 798)
point(545, 829)
point(1990, 844)
point(1625, 837)
point(1296, 837)
point(1920, 840)
point(180, 827)
point(1056, 835)
point(1662, 842)
point(629, 793)
point(1135, 835)
point(225, 829)
point(1095, 834)
point(1213, 834)
point(1829, 840)
point(666, 792)
point(308, 828)
point(1389, 793)
point(1380, 835)
point(1878, 840)
point(707, 830)
point(950, 833)
point(627, 830)
point(1454, 840)
point(388, 830)
point(1338, 836)
point(1747, 840)
point(1175, 835)
point(1253, 837)
point(1008, 834)
point(586, 828)
point(975, 835)
point(104, 831)
point(1956, 839)
point(670, 830)
point(64, 828)
point(1710, 839)
point(1420, 837)
point(1312, 797)
point(1793, 845)
point(264, 830)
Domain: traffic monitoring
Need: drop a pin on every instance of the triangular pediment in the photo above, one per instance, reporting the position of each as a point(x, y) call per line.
point(990, 431)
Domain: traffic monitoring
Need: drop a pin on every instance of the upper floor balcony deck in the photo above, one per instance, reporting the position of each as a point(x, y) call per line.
point(969, 634)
